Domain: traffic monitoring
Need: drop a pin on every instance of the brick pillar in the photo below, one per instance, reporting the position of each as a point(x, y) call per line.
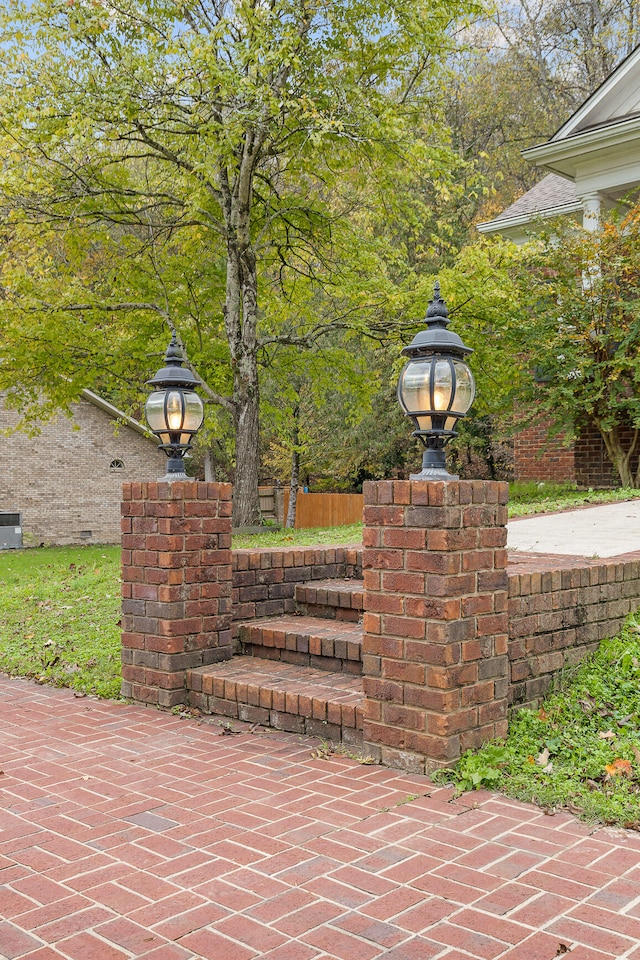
point(176, 585)
point(435, 625)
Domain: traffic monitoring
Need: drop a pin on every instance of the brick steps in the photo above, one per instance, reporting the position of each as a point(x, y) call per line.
point(281, 695)
point(331, 599)
point(305, 641)
point(297, 672)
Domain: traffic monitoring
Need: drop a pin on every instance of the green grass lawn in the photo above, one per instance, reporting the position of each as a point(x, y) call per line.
point(60, 617)
point(526, 499)
point(312, 537)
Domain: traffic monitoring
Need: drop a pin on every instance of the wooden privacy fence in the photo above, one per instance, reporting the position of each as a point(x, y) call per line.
point(326, 509)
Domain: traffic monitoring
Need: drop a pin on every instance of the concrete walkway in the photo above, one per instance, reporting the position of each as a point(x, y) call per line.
point(607, 530)
point(127, 833)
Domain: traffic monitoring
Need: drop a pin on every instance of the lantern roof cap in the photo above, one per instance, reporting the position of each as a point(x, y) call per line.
point(436, 338)
point(173, 374)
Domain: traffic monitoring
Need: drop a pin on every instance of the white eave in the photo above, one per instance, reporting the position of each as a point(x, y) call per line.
point(503, 224)
point(560, 156)
point(116, 414)
point(585, 115)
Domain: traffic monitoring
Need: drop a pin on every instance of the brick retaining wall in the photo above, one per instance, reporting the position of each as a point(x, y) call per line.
point(560, 607)
point(264, 580)
point(559, 610)
point(454, 631)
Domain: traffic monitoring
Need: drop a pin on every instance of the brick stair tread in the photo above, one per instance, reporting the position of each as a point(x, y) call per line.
point(285, 687)
point(336, 593)
point(309, 641)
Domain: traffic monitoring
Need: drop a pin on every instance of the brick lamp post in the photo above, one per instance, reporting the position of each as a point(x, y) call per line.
point(176, 555)
point(434, 648)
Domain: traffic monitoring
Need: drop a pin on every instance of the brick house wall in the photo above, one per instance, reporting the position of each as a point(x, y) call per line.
point(62, 481)
point(585, 461)
point(538, 458)
point(593, 467)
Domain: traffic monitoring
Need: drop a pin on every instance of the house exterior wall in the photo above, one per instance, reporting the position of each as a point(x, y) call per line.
point(593, 467)
point(585, 461)
point(61, 481)
point(538, 458)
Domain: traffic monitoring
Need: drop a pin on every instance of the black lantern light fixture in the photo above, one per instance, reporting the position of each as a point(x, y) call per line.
point(174, 411)
point(436, 387)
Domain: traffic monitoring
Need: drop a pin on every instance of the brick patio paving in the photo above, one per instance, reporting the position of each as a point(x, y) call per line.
point(129, 833)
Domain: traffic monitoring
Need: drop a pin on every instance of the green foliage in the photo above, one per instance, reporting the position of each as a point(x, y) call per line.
point(475, 770)
point(486, 308)
point(579, 328)
point(581, 750)
point(59, 617)
point(220, 168)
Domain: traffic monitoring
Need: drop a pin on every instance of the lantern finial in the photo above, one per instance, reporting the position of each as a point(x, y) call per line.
point(437, 310)
point(173, 356)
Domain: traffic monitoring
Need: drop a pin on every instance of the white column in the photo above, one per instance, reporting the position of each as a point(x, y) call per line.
point(591, 207)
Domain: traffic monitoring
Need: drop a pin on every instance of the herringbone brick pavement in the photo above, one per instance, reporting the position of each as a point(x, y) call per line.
point(128, 833)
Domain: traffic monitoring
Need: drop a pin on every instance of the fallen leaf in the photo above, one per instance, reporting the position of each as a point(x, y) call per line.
point(619, 768)
point(543, 758)
point(562, 948)
point(636, 752)
point(543, 715)
point(228, 731)
point(606, 735)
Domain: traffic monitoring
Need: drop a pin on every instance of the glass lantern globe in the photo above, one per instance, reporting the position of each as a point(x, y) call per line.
point(174, 411)
point(436, 388)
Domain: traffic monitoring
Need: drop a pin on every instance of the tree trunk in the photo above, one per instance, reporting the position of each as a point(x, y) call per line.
point(209, 466)
point(618, 455)
point(246, 501)
point(293, 489)
point(240, 318)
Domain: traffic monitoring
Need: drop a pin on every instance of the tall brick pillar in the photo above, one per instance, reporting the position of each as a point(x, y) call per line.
point(176, 585)
point(435, 624)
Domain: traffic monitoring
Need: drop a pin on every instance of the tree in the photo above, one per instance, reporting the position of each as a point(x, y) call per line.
point(580, 329)
point(526, 67)
point(208, 140)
